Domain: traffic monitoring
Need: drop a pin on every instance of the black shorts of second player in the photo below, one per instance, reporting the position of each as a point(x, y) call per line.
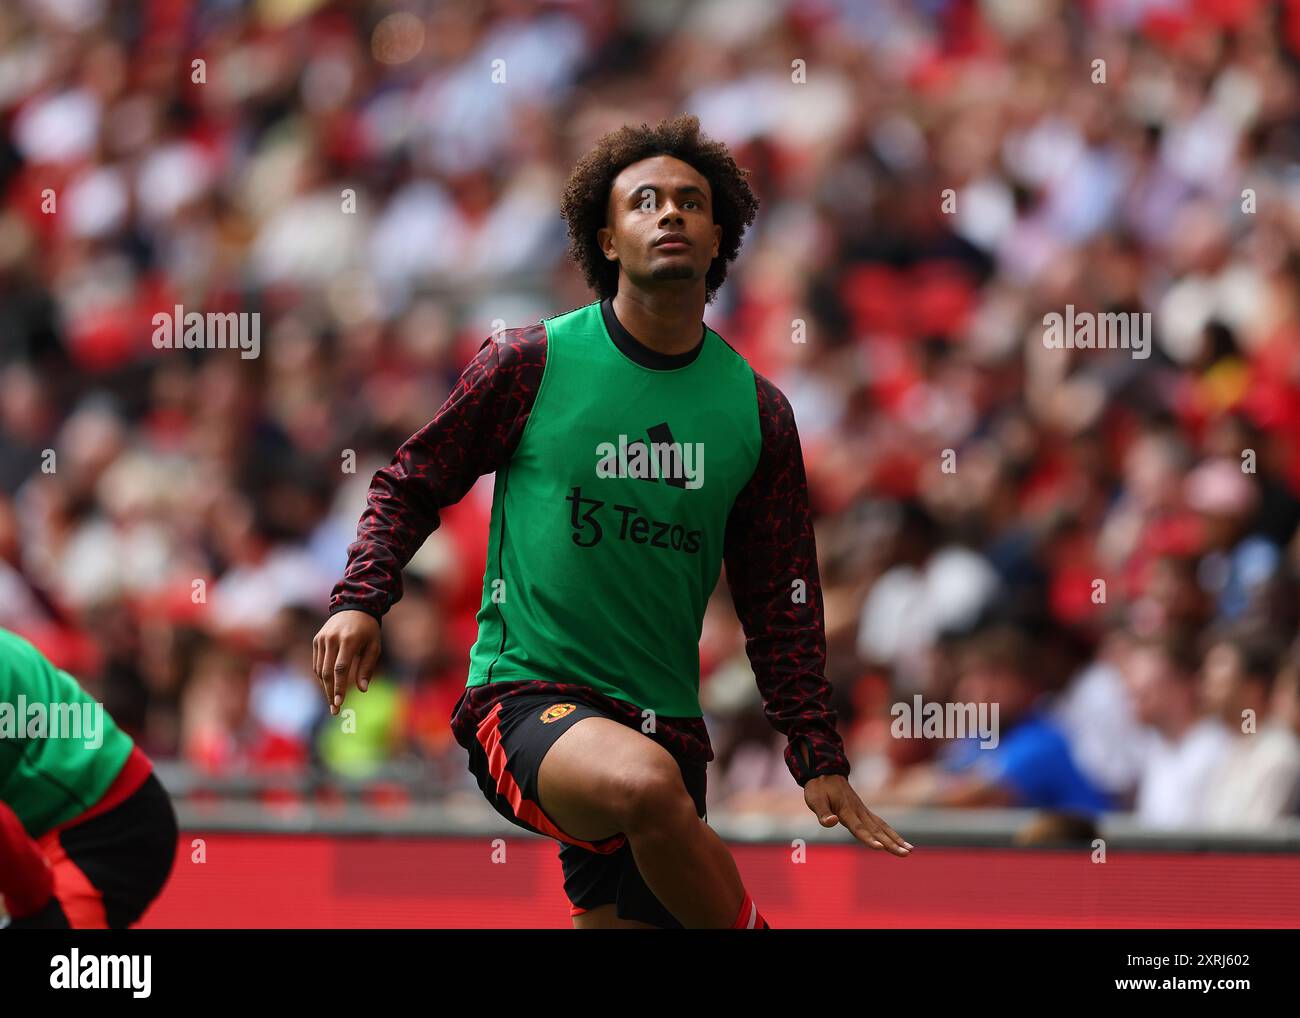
point(125, 856)
point(506, 759)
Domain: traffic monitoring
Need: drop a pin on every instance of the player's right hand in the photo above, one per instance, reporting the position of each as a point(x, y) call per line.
point(345, 651)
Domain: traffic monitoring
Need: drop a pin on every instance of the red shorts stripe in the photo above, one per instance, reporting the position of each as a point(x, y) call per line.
point(78, 897)
point(489, 737)
point(747, 917)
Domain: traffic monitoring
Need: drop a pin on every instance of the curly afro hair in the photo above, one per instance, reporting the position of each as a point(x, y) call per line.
point(586, 194)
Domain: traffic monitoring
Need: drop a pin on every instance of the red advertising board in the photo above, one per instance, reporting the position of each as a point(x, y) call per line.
point(257, 880)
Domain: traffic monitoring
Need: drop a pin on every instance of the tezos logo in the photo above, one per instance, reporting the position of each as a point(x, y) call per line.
point(588, 531)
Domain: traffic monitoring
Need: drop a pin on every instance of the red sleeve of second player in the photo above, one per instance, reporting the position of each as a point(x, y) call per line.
point(26, 880)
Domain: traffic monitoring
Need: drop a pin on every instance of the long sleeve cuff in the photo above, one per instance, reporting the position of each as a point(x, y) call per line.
point(816, 753)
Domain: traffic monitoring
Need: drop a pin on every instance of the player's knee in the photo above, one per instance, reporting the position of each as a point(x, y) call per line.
point(655, 800)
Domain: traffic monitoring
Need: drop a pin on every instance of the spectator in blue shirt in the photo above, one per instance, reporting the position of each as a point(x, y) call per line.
point(1021, 759)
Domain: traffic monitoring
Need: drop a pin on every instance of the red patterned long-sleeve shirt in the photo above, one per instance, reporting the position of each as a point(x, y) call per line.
point(768, 544)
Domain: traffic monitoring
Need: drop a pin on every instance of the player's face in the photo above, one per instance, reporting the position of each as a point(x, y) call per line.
point(660, 222)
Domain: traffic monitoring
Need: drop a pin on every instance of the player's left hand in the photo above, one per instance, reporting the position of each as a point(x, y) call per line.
point(832, 798)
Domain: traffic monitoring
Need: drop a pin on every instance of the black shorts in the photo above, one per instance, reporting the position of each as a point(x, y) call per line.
point(506, 759)
point(112, 865)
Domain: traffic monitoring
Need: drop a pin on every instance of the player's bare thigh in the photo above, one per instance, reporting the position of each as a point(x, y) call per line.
point(604, 917)
point(589, 776)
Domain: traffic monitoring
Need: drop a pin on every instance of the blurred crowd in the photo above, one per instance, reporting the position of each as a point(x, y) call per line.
point(1106, 546)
